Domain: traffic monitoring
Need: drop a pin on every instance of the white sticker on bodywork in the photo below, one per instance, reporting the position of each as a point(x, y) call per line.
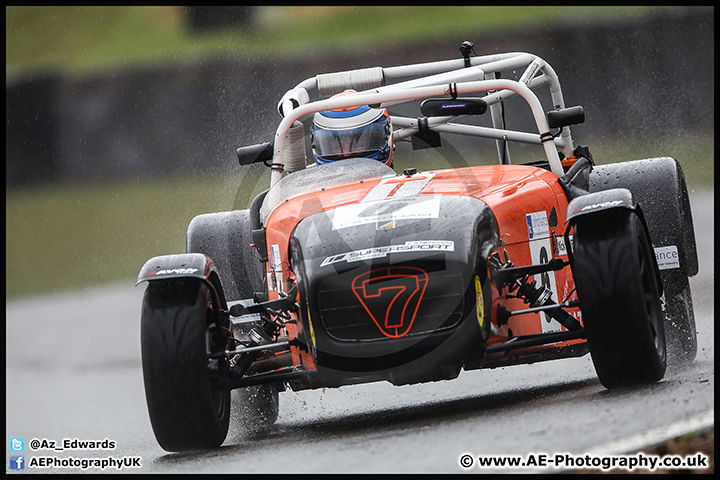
point(275, 257)
point(560, 246)
point(667, 257)
point(274, 275)
point(380, 252)
point(411, 208)
point(537, 224)
point(540, 253)
point(398, 187)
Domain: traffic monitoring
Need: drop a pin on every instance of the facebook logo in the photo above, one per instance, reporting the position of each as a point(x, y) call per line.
point(17, 444)
point(17, 462)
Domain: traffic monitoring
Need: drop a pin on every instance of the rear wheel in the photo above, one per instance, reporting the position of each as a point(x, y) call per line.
point(226, 238)
point(619, 298)
point(178, 330)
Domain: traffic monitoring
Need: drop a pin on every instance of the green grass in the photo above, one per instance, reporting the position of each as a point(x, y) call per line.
point(81, 39)
point(695, 154)
point(67, 237)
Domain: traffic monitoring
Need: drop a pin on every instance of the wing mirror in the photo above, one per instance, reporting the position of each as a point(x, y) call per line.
point(564, 117)
point(255, 153)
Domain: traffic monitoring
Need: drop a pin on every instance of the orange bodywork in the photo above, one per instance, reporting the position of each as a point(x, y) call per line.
point(518, 196)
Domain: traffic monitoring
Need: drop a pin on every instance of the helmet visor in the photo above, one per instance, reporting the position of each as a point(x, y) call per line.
point(356, 142)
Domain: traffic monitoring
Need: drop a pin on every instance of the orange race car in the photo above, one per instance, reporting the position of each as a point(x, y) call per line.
point(365, 266)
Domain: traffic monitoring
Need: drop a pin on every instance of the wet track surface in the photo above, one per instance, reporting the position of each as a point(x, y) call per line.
point(73, 372)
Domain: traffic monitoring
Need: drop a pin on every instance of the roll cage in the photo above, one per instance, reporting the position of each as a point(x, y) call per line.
point(447, 79)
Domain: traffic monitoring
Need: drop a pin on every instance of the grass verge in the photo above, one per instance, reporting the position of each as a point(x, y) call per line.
point(68, 237)
point(85, 38)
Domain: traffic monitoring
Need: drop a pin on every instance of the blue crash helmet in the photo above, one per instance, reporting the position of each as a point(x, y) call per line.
point(351, 133)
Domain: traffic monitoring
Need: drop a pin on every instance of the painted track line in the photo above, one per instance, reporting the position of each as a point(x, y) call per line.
point(656, 436)
point(633, 444)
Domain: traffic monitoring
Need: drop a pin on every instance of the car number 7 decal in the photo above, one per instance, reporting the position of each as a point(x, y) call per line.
point(391, 296)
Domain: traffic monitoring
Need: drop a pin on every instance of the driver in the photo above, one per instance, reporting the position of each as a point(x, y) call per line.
point(351, 133)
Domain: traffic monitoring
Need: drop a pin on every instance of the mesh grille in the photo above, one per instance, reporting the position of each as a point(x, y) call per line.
point(390, 303)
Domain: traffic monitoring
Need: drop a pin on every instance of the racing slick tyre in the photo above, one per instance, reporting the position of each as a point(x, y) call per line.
point(177, 332)
point(680, 332)
point(619, 298)
point(226, 237)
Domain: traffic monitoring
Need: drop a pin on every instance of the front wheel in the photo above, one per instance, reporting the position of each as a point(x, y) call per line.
point(619, 298)
point(178, 330)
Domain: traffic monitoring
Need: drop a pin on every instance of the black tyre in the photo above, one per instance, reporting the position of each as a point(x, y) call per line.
point(619, 298)
point(177, 332)
point(680, 329)
point(226, 238)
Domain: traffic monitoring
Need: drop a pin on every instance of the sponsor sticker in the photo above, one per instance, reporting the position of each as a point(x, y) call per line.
point(174, 271)
point(560, 246)
point(386, 224)
point(537, 224)
point(275, 256)
point(274, 275)
point(667, 257)
point(610, 204)
point(380, 252)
